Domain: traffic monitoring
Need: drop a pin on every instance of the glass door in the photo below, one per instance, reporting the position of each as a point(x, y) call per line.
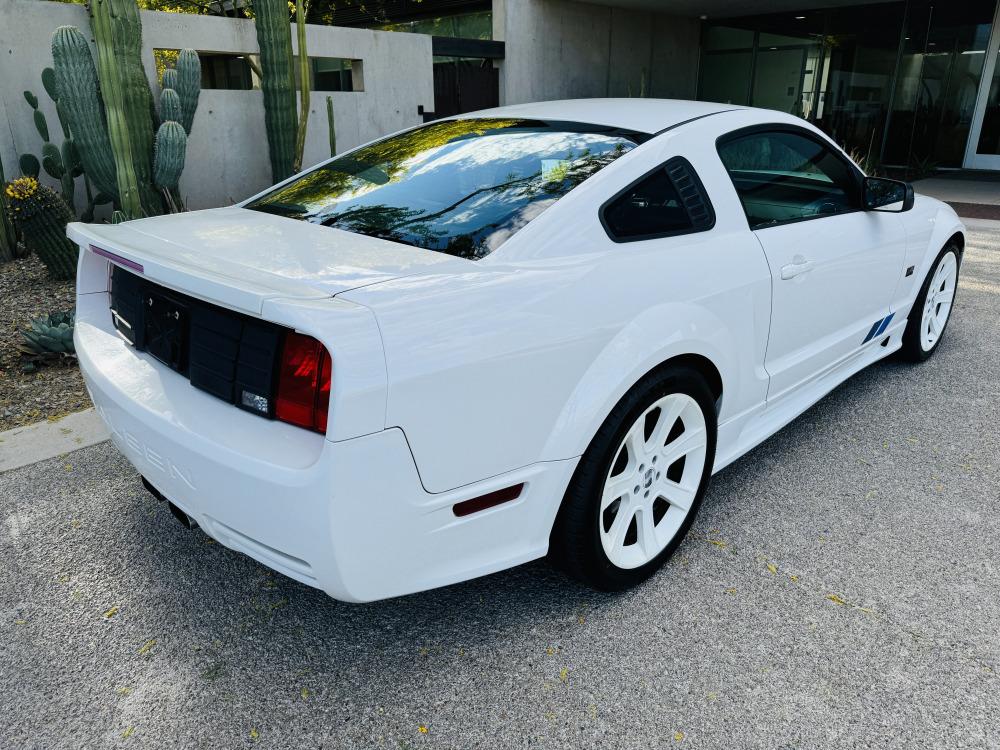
point(983, 150)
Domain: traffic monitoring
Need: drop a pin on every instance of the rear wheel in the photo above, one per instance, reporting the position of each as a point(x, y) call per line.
point(932, 308)
point(639, 484)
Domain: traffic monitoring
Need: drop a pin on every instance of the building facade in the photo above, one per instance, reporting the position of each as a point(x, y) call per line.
point(911, 84)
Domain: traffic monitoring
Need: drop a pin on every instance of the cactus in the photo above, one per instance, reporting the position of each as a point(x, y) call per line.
point(188, 86)
point(169, 79)
point(111, 141)
point(168, 156)
point(78, 97)
point(330, 126)
point(29, 165)
point(127, 102)
point(41, 217)
point(50, 334)
point(170, 106)
point(52, 156)
point(304, 86)
point(8, 237)
point(113, 93)
point(274, 37)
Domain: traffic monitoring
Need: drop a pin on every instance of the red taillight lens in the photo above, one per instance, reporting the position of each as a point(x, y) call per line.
point(304, 383)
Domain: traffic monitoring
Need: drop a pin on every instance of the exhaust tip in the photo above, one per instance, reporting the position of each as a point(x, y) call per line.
point(181, 516)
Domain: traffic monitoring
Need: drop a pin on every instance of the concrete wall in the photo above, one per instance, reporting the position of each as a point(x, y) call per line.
point(563, 49)
point(227, 150)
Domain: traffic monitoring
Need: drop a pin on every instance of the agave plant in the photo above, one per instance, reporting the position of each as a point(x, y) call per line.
point(50, 336)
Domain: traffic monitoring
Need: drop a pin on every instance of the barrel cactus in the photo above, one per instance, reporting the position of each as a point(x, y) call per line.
point(40, 215)
point(274, 37)
point(52, 333)
point(8, 237)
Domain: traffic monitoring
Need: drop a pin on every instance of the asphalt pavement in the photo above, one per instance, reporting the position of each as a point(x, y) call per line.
point(840, 588)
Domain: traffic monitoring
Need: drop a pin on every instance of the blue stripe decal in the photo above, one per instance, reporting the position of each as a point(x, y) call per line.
point(872, 332)
point(885, 324)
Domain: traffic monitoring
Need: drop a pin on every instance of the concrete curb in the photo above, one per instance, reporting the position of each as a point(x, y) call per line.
point(28, 445)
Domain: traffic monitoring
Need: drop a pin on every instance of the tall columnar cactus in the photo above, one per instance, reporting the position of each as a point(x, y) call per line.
point(170, 107)
point(330, 126)
point(127, 101)
point(41, 217)
point(187, 86)
point(77, 93)
point(168, 158)
point(274, 37)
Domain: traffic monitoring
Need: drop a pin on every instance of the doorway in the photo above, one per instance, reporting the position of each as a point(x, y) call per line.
point(983, 149)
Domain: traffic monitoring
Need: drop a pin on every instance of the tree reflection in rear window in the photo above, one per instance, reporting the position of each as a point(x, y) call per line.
point(460, 187)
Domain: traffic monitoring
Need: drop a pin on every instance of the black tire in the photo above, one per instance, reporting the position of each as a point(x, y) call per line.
point(575, 543)
point(912, 349)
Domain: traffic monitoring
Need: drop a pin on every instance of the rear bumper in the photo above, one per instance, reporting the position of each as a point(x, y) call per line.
point(349, 517)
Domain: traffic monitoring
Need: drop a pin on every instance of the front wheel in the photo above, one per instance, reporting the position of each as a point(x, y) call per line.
point(932, 308)
point(639, 484)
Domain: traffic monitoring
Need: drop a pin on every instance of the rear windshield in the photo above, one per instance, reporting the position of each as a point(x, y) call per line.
point(460, 187)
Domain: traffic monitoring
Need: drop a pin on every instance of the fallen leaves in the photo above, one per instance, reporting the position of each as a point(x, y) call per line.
point(841, 602)
point(254, 734)
point(772, 568)
point(304, 692)
point(128, 733)
point(111, 613)
point(564, 674)
point(678, 736)
point(147, 647)
point(422, 729)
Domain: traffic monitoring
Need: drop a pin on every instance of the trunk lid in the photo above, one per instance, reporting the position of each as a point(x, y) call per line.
point(239, 258)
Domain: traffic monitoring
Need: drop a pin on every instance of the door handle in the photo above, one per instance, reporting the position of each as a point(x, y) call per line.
point(798, 265)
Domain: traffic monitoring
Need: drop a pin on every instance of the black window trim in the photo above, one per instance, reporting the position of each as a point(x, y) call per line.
point(693, 229)
point(785, 127)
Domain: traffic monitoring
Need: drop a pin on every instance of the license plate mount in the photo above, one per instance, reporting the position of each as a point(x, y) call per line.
point(166, 325)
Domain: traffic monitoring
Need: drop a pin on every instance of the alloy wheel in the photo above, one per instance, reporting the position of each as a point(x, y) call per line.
point(938, 301)
point(653, 480)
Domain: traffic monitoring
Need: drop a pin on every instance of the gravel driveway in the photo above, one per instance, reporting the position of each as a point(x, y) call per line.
point(841, 588)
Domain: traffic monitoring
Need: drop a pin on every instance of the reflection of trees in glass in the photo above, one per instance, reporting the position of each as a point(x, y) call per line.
point(508, 198)
point(464, 200)
point(377, 163)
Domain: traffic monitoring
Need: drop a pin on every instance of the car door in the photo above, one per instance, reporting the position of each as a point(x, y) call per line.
point(833, 265)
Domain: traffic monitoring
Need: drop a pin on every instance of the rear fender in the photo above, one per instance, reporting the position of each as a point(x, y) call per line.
point(694, 330)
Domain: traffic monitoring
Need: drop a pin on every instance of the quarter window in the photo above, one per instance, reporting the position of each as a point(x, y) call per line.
point(668, 201)
point(783, 176)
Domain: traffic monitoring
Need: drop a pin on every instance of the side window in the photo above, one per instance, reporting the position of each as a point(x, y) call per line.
point(668, 201)
point(783, 176)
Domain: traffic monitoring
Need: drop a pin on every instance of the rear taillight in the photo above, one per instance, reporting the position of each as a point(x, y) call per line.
point(304, 383)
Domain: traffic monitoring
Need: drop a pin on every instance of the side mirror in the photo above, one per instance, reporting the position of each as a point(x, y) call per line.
point(881, 194)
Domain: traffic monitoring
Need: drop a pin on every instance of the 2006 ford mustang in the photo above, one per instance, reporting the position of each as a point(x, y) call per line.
point(533, 330)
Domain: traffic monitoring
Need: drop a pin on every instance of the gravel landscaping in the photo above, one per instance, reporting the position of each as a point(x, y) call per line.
point(57, 388)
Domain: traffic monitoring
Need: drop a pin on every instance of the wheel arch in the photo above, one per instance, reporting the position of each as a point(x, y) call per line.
point(620, 366)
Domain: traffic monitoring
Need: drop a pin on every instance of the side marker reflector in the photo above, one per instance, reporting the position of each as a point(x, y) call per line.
point(489, 500)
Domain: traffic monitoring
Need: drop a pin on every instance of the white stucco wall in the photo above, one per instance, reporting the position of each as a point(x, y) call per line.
point(227, 150)
point(563, 49)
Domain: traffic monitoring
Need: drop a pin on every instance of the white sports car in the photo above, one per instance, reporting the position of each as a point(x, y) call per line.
point(533, 330)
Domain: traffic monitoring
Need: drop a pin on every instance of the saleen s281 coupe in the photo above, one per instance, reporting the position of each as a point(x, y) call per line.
point(533, 330)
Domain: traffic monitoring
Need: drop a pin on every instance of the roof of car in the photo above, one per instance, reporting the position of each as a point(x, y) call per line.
point(639, 115)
